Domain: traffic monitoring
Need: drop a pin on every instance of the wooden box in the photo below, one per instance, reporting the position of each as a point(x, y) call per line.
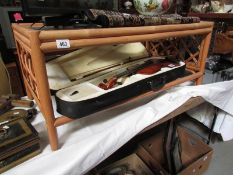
point(195, 154)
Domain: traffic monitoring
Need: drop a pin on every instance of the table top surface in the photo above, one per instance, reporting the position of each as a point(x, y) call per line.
point(39, 27)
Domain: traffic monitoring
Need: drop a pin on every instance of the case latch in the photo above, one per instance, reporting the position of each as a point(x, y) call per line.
point(157, 84)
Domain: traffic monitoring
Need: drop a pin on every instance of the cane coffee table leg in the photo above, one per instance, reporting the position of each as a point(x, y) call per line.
point(52, 134)
point(203, 56)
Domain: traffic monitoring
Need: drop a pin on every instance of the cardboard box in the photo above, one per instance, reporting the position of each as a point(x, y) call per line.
point(195, 154)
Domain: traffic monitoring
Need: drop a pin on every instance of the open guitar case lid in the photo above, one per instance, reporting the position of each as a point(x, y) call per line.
point(76, 77)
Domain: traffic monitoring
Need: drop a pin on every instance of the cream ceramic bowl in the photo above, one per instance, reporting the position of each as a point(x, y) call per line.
point(152, 7)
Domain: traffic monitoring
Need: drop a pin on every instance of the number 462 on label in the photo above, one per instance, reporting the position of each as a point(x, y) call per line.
point(63, 44)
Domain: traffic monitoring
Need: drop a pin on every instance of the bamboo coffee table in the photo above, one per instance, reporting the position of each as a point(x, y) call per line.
point(33, 45)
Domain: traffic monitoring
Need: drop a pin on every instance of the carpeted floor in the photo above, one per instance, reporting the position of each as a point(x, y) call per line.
point(222, 162)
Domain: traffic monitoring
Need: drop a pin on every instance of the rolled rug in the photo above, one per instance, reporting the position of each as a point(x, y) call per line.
point(190, 19)
point(132, 20)
point(162, 19)
point(116, 19)
point(106, 18)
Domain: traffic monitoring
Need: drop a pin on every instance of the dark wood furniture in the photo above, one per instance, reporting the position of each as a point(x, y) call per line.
point(223, 39)
point(15, 79)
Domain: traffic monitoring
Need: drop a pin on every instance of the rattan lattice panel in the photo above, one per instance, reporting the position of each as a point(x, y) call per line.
point(186, 49)
point(28, 70)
